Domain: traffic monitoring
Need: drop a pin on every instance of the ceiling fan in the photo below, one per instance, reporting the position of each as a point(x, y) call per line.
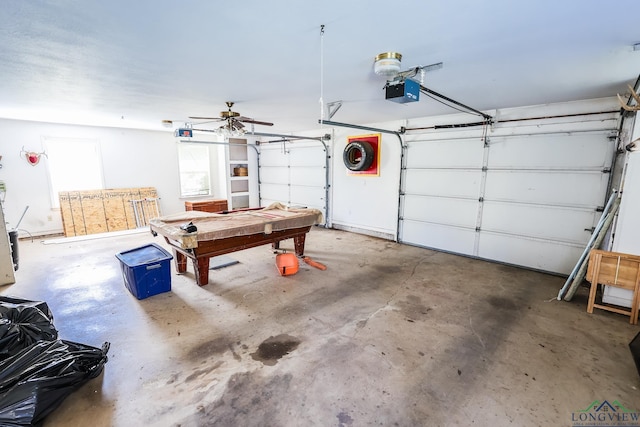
point(233, 120)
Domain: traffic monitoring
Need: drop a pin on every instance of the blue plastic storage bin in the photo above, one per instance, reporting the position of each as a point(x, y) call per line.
point(146, 270)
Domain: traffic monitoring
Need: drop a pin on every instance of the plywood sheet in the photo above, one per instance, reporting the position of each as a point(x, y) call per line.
point(101, 211)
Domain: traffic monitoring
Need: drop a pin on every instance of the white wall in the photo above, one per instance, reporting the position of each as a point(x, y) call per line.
point(367, 204)
point(131, 158)
point(627, 233)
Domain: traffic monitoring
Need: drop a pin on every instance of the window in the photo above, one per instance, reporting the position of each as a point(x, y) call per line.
point(194, 166)
point(74, 165)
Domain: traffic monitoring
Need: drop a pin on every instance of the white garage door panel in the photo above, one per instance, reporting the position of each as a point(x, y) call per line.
point(273, 157)
point(456, 212)
point(308, 176)
point(271, 175)
point(308, 196)
point(274, 192)
point(451, 239)
point(307, 156)
point(578, 151)
point(436, 182)
point(532, 191)
point(545, 222)
point(547, 187)
point(537, 254)
point(293, 173)
point(457, 153)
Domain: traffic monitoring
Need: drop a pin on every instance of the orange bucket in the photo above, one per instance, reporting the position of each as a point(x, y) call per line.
point(287, 264)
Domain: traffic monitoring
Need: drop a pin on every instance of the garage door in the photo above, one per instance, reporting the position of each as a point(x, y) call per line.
point(294, 173)
point(529, 196)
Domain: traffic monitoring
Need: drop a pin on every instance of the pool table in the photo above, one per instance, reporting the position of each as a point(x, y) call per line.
point(221, 233)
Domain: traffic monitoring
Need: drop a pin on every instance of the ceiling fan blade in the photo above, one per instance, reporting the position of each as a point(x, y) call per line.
point(207, 121)
point(204, 118)
point(432, 67)
point(255, 122)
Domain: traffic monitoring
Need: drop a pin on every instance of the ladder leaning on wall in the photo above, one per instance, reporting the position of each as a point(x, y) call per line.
point(145, 209)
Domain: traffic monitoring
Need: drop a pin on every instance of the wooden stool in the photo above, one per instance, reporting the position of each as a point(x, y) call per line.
point(614, 269)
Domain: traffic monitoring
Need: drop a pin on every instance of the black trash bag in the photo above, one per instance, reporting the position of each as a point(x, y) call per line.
point(22, 323)
point(35, 381)
point(39, 304)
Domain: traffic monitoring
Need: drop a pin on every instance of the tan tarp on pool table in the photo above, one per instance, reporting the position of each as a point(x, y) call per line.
point(212, 226)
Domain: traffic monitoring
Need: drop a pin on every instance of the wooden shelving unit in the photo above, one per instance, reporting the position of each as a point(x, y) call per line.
point(238, 170)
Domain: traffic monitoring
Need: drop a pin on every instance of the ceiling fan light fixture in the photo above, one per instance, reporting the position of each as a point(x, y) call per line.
point(230, 130)
point(387, 64)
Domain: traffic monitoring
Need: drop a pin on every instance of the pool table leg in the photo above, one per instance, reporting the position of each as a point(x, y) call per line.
point(298, 243)
point(201, 268)
point(181, 261)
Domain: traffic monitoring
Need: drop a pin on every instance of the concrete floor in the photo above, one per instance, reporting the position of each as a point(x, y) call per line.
point(388, 335)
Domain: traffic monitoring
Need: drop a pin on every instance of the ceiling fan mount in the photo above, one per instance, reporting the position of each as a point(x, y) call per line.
point(228, 114)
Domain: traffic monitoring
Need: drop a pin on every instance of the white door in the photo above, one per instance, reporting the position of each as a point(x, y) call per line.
point(529, 195)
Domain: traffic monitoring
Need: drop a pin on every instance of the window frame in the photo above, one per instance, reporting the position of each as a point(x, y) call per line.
point(49, 144)
point(205, 156)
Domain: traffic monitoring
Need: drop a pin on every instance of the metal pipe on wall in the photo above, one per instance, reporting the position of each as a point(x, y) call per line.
point(193, 141)
point(483, 123)
point(527, 134)
point(596, 244)
point(587, 249)
point(349, 125)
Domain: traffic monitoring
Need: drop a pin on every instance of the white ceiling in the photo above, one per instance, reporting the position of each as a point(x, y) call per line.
point(134, 63)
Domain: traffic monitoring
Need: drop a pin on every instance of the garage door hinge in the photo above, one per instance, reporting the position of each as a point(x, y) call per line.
point(606, 170)
point(484, 169)
point(481, 199)
point(600, 209)
point(477, 229)
point(590, 230)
